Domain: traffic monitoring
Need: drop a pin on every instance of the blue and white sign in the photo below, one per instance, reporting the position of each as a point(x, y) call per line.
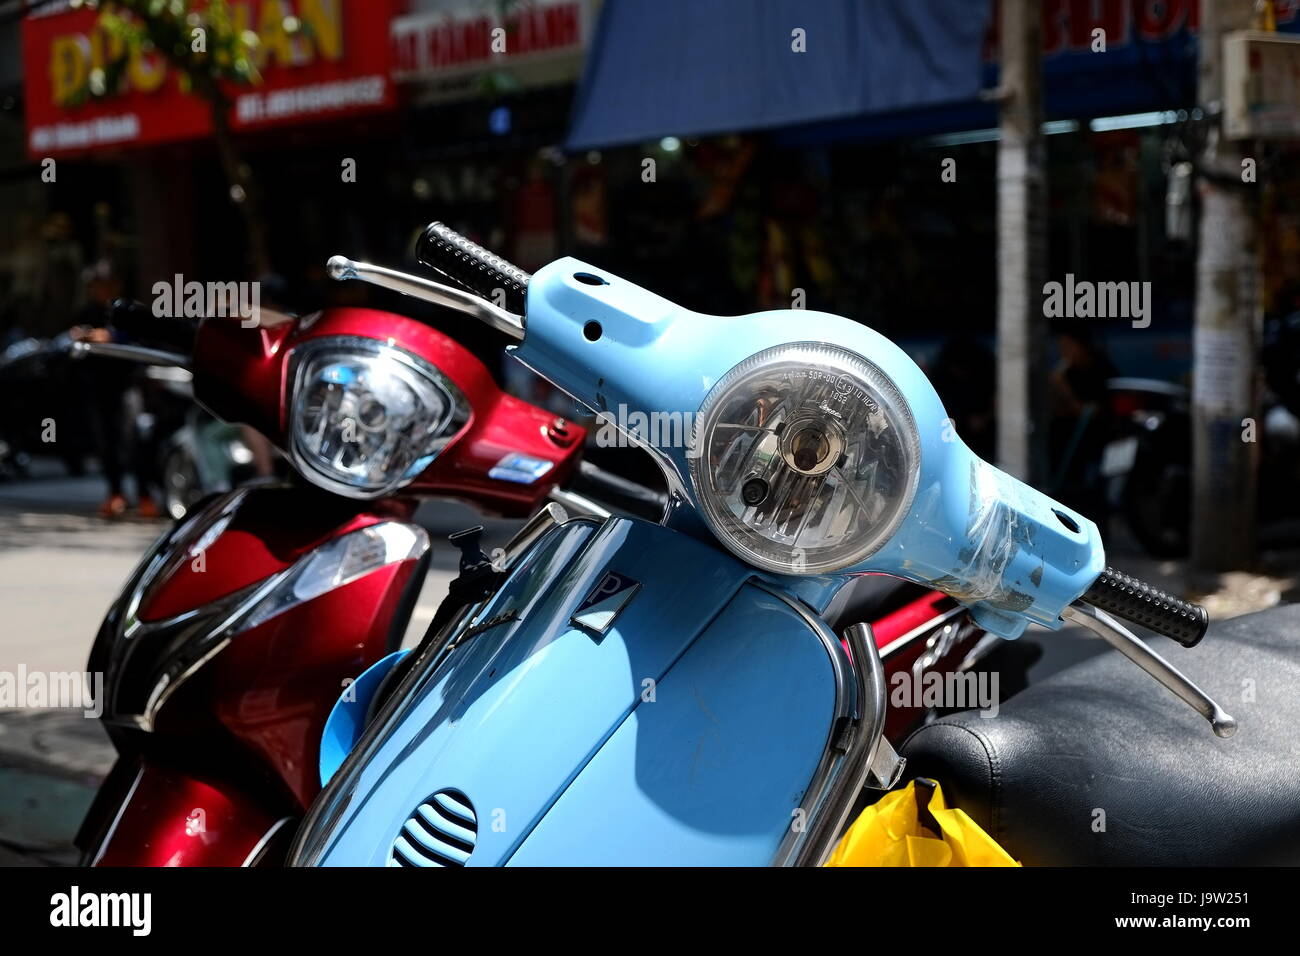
point(521, 469)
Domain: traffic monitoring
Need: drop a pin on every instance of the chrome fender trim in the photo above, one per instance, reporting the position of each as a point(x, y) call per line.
point(857, 753)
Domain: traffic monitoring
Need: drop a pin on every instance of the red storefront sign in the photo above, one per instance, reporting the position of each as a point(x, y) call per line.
point(464, 38)
point(337, 65)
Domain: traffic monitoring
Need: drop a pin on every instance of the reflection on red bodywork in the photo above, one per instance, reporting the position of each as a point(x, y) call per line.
point(274, 686)
point(173, 819)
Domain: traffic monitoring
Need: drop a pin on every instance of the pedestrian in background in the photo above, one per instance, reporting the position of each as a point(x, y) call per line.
point(119, 445)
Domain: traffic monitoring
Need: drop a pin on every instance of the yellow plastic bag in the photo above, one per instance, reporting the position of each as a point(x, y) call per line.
point(906, 829)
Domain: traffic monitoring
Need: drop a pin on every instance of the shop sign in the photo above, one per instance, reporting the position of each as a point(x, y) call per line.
point(337, 65)
point(461, 39)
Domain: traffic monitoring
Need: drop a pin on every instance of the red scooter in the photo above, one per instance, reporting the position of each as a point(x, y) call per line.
point(234, 637)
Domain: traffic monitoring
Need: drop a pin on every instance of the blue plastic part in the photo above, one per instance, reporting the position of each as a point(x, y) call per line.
point(515, 716)
point(347, 719)
point(1009, 552)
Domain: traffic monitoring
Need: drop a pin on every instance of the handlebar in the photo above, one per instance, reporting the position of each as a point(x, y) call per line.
point(1120, 638)
point(341, 267)
point(139, 323)
point(1127, 597)
point(469, 265)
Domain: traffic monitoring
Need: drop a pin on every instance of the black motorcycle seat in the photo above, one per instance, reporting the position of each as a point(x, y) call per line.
point(1100, 765)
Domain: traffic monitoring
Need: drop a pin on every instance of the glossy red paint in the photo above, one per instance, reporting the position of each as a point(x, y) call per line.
point(256, 710)
point(273, 528)
point(274, 686)
point(909, 617)
point(902, 719)
point(170, 818)
point(265, 697)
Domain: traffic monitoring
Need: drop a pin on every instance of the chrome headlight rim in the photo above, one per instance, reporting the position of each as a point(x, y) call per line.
point(729, 529)
point(459, 412)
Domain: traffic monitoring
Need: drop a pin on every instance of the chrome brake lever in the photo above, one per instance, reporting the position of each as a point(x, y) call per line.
point(1124, 641)
point(341, 268)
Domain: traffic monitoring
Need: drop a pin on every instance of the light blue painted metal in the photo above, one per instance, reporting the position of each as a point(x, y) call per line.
point(1009, 552)
point(515, 712)
point(712, 770)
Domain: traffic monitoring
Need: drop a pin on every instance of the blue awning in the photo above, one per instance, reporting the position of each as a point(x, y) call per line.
point(696, 67)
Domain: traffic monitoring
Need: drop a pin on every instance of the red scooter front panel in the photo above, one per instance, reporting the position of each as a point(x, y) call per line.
point(242, 730)
point(258, 393)
point(167, 817)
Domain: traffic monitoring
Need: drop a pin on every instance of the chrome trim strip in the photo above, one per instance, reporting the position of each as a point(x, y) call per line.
point(189, 640)
point(849, 691)
point(851, 750)
point(899, 642)
point(860, 746)
point(844, 702)
point(579, 503)
point(174, 547)
point(260, 848)
point(550, 516)
point(121, 809)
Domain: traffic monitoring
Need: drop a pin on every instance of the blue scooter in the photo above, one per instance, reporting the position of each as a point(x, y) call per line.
point(616, 692)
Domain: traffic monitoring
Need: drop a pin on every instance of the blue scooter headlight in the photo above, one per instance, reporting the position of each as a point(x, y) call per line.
point(805, 458)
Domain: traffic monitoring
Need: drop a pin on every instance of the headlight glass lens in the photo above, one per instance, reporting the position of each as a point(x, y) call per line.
point(805, 458)
point(368, 417)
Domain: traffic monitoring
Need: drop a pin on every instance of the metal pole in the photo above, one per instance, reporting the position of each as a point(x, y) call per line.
point(1227, 326)
point(1022, 184)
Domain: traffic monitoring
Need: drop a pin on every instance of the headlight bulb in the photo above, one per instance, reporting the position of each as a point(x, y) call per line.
point(805, 458)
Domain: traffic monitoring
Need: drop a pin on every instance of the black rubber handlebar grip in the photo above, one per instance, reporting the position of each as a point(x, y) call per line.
point(472, 267)
point(1127, 597)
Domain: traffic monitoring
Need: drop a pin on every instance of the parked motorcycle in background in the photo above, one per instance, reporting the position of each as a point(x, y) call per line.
point(196, 455)
point(37, 387)
point(1148, 462)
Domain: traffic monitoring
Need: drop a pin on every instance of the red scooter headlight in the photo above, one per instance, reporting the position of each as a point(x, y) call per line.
point(365, 417)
